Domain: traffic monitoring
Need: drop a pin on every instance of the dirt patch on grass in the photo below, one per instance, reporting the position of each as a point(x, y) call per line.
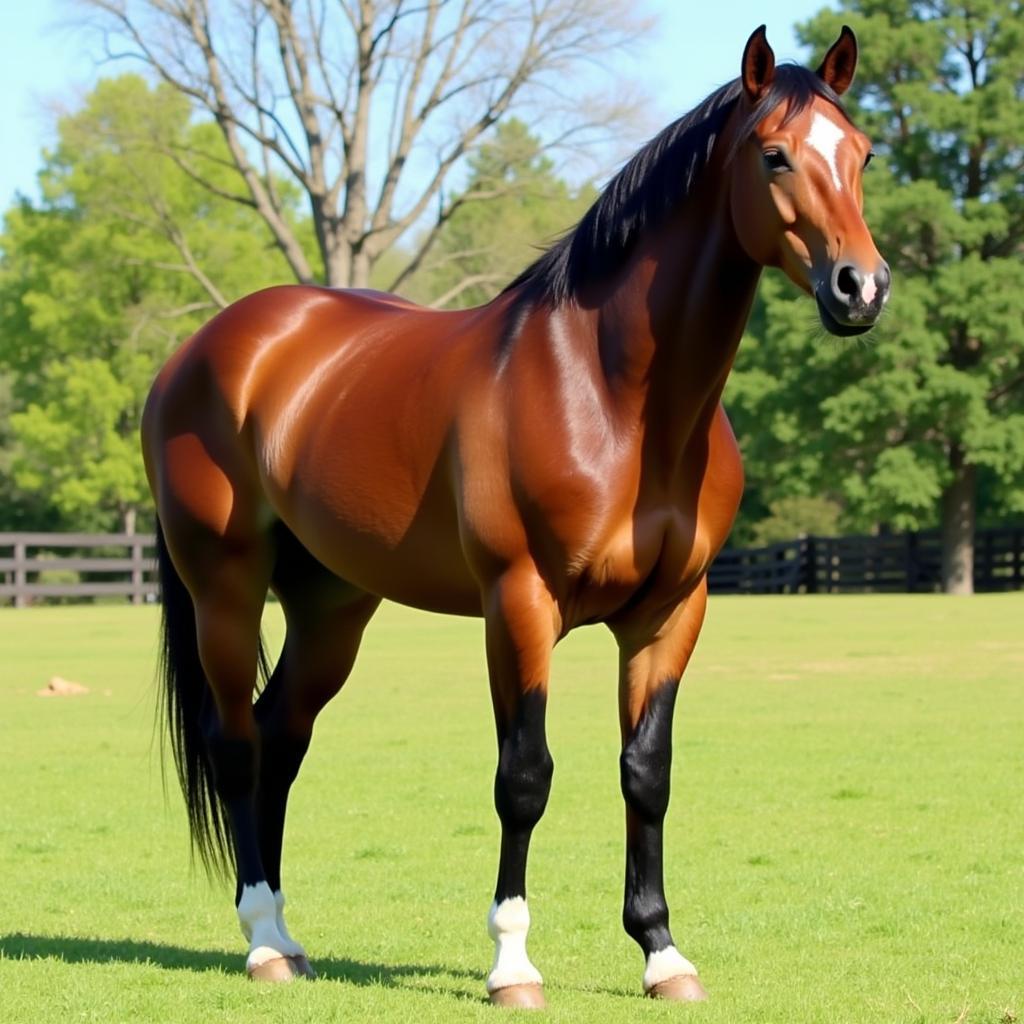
point(58, 687)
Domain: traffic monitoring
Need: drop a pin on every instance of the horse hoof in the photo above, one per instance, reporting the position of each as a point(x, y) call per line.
point(684, 988)
point(281, 968)
point(520, 997)
point(305, 968)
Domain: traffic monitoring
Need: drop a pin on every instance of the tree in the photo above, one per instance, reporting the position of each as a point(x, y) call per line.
point(901, 427)
point(75, 448)
point(796, 516)
point(364, 106)
point(98, 282)
point(484, 245)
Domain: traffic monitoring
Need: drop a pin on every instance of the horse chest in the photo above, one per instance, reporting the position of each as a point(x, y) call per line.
point(662, 546)
point(654, 556)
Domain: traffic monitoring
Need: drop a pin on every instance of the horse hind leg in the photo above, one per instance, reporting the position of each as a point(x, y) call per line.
point(218, 751)
point(325, 621)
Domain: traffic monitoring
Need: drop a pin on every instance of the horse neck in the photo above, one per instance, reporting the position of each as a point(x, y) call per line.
point(670, 329)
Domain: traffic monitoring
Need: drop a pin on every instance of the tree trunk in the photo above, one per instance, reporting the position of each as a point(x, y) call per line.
point(337, 255)
point(360, 274)
point(128, 518)
point(958, 511)
point(344, 265)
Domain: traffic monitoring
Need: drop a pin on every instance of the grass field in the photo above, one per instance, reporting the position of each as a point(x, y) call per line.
point(845, 843)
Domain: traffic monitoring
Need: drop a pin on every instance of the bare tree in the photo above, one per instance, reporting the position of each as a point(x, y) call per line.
point(366, 106)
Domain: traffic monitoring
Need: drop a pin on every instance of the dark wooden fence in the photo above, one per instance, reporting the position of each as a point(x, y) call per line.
point(65, 566)
point(76, 565)
point(899, 562)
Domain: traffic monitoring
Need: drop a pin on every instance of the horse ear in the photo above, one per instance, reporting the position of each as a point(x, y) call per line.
point(758, 69)
point(840, 62)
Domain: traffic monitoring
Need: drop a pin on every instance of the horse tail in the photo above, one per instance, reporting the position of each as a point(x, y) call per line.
point(184, 699)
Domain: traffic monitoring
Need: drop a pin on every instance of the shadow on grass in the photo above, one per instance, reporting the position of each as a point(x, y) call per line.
point(73, 949)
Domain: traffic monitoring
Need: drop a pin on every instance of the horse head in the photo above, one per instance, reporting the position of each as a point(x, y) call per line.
point(796, 195)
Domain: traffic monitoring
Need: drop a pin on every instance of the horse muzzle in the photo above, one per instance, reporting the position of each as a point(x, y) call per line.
point(852, 299)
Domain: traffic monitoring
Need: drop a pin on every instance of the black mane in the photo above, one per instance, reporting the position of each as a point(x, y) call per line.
point(654, 181)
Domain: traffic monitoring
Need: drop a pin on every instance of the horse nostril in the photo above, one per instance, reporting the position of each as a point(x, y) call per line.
point(846, 284)
point(884, 277)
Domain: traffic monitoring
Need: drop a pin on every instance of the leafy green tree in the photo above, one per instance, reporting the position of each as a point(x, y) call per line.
point(98, 282)
point(906, 427)
point(18, 510)
point(796, 516)
point(485, 244)
point(73, 446)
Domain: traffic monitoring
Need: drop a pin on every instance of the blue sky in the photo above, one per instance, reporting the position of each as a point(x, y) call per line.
point(47, 65)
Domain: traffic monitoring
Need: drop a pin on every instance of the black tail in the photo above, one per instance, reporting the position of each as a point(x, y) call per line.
point(184, 697)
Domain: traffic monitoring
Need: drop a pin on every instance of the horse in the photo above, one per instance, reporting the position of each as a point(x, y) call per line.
point(554, 458)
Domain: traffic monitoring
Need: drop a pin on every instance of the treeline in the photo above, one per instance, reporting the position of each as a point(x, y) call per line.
point(153, 217)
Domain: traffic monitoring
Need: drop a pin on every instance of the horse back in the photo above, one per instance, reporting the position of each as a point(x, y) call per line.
point(331, 411)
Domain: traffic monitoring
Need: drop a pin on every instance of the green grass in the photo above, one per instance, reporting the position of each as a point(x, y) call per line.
point(845, 843)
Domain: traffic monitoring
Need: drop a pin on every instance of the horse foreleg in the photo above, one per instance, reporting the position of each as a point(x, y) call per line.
point(652, 664)
point(520, 634)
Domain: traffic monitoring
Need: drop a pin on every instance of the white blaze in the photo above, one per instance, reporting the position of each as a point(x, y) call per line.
point(825, 136)
point(870, 289)
point(507, 923)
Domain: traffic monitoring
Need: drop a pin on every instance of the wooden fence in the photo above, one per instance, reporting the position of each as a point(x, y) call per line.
point(37, 566)
point(899, 562)
point(53, 565)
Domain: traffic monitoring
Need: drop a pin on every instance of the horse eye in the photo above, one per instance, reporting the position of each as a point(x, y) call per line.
point(776, 160)
point(868, 159)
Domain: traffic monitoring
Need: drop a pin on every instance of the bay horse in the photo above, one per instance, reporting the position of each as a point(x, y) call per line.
point(554, 458)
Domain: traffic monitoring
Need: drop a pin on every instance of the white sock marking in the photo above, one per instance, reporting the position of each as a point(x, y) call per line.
point(870, 289)
point(664, 964)
point(507, 924)
point(825, 136)
point(291, 947)
point(257, 915)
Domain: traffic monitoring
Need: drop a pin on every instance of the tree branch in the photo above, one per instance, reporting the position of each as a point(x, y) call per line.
point(301, 90)
point(465, 284)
